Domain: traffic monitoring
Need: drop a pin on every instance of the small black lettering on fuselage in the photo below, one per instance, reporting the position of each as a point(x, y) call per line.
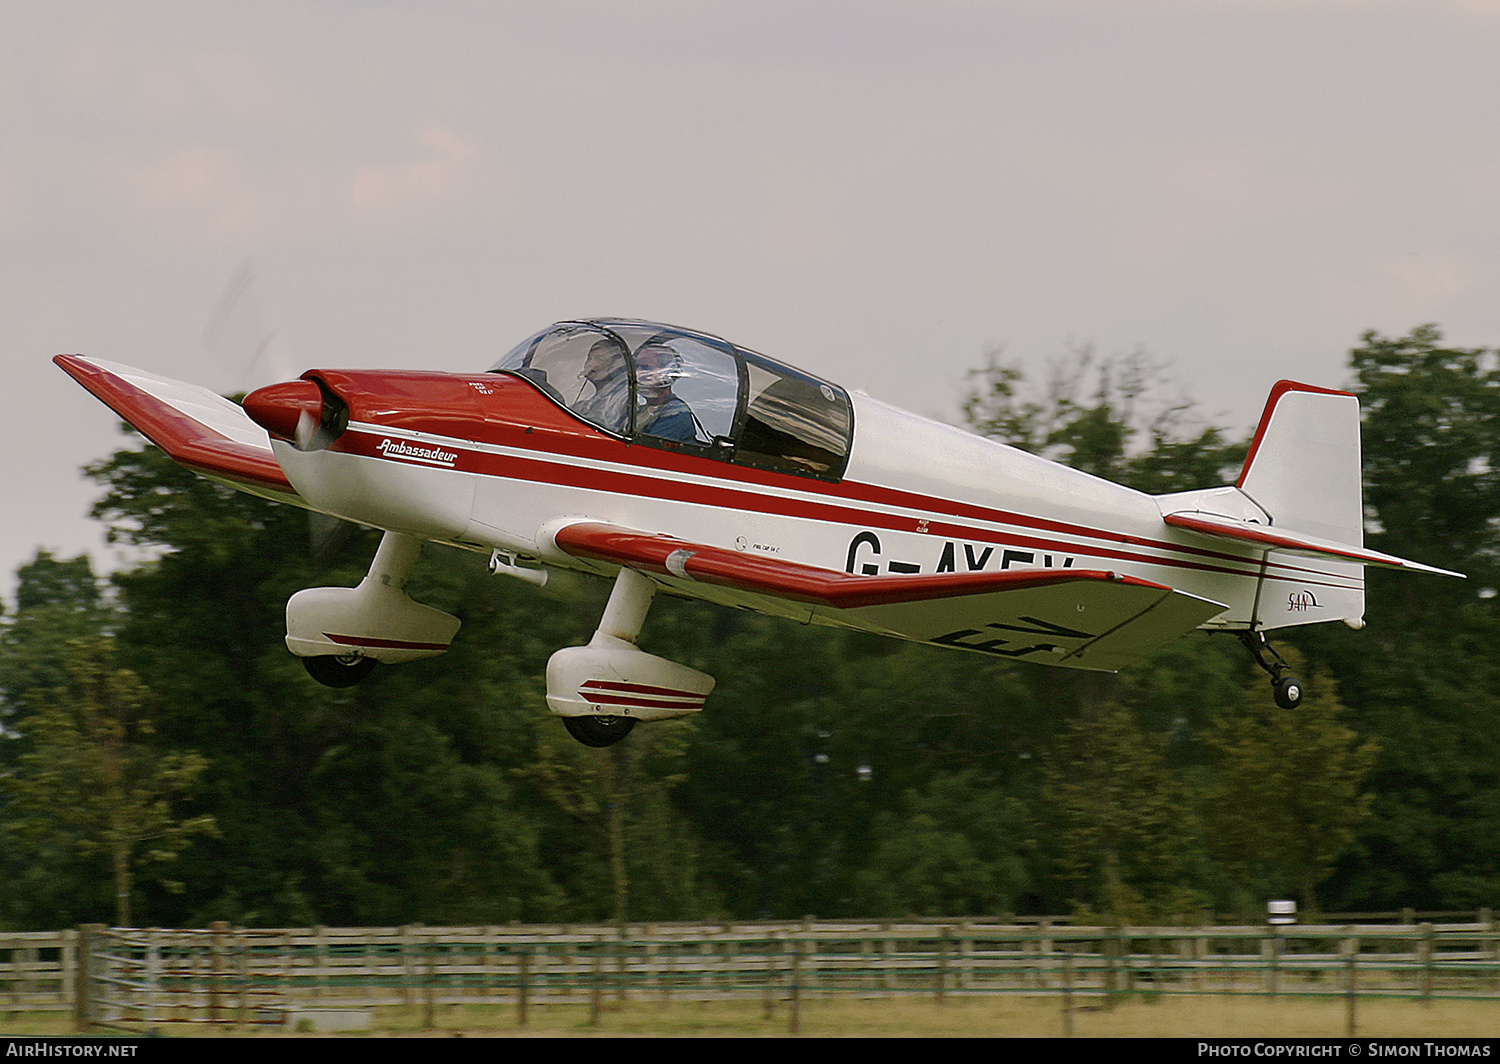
point(866, 558)
point(1299, 601)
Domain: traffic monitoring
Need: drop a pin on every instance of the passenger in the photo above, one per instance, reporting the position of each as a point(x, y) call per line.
point(661, 413)
point(605, 370)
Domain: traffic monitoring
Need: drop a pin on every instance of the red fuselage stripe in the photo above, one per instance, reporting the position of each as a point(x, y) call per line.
point(647, 485)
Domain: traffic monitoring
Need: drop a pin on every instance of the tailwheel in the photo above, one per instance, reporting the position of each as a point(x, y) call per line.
point(1287, 691)
point(598, 731)
point(343, 670)
point(1285, 688)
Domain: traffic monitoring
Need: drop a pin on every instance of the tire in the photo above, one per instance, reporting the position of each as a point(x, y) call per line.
point(333, 671)
point(598, 731)
point(1288, 692)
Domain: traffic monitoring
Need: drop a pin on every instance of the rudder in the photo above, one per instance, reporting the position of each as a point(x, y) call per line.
point(1303, 468)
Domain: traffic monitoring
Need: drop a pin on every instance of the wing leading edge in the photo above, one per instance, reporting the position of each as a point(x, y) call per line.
point(194, 426)
point(1087, 619)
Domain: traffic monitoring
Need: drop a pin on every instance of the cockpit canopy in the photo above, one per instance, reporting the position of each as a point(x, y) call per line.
point(688, 391)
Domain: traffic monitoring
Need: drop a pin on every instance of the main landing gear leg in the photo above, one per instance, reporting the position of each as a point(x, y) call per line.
point(1286, 688)
point(341, 632)
point(623, 616)
point(392, 567)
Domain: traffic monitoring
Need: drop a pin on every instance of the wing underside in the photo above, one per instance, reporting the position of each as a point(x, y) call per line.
point(1087, 619)
point(195, 427)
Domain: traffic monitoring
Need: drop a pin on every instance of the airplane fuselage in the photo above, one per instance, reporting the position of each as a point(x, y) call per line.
point(490, 462)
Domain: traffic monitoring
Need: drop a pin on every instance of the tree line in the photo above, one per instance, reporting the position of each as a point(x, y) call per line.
point(165, 761)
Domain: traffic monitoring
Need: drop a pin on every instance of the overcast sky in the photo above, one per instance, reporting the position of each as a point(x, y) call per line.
point(875, 190)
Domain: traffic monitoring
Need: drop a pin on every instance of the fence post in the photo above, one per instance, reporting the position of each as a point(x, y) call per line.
point(596, 990)
point(429, 984)
point(1487, 919)
point(408, 976)
point(242, 975)
point(68, 962)
point(944, 939)
point(794, 1025)
point(965, 957)
point(523, 986)
point(319, 959)
point(1044, 954)
point(1424, 948)
point(1067, 992)
point(1351, 988)
point(216, 969)
point(768, 978)
point(1112, 977)
point(83, 970)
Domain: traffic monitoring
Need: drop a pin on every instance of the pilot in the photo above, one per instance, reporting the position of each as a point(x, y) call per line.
point(605, 370)
point(661, 413)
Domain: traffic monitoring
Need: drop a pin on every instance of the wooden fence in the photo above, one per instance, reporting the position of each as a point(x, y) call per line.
point(131, 977)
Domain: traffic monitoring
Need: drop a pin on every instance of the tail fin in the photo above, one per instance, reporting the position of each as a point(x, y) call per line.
point(1303, 469)
point(1298, 497)
point(1298, 500)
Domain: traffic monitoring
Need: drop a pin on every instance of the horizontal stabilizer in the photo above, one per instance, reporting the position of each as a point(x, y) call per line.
point(194, 426)
point(1080, 618)
point(1272, 538)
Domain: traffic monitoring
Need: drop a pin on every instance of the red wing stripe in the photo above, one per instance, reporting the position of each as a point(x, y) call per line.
point(640, 703)
point(638, 689)
point(613, 693)
point(387, 644)
point(185, 440)
point(803, 583)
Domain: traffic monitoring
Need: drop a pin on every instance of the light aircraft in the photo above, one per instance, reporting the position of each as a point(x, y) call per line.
point(672, 460)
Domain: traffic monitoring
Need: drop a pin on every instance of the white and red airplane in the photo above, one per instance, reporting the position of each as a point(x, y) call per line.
point(674, 460)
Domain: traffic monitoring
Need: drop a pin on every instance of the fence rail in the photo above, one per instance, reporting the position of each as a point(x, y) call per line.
point(128, 977)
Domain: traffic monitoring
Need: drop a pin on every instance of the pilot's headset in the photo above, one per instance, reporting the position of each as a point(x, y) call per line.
point(670, 366)
point(607, 345)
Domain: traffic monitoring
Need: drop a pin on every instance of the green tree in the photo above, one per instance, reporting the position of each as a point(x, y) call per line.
point(94, 777)
point(1432, 454)
point(1112, 417)
point(1423, 680)
point(57, 601)
point(1287, 794)
point(956, 848)
point(1126, 839)
point(390, 802)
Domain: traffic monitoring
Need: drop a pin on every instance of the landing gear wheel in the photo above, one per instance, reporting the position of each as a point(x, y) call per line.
point(598, 731)
point(341, 671)
point(1285, 688)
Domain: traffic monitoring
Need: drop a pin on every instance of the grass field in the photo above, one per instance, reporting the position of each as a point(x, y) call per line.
point(1175, 1017)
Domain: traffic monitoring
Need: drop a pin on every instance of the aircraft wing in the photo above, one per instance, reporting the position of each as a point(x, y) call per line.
point(1080, 618)
point(1269, 537)
point(195, 427)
